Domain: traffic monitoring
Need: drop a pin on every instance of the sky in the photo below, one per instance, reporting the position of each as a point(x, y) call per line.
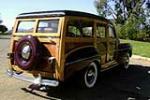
point(9, 9)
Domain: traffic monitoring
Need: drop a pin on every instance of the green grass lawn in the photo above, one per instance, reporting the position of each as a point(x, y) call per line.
point(139, 48)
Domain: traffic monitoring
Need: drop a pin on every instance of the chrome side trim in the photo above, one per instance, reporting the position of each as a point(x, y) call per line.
point(38, 80)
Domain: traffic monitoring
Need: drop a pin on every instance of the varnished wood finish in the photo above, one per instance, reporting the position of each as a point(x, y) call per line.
point(61, 46)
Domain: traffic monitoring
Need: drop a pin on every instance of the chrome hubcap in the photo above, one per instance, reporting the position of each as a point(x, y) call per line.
point(126, 64)
point(90, 76)
point(26, 51)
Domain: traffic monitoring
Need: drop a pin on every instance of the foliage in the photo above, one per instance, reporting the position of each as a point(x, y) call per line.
point(139, 48)
point(130, 16)
point(3, 29)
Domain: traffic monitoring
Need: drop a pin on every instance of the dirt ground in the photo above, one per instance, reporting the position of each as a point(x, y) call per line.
point(133, 84)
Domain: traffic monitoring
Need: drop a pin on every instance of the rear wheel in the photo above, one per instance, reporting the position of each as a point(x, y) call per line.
point(90, 75)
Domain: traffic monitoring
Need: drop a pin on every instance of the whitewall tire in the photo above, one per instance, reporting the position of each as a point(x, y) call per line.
point(91, 75)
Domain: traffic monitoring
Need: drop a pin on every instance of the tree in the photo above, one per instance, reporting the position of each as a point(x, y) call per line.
point(3, 29)
point(0, 19)
point(120, 10)
point(147, 23)
point(129, 15)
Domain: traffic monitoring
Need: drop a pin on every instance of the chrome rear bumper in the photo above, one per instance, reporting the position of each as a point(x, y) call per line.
point(38, 80)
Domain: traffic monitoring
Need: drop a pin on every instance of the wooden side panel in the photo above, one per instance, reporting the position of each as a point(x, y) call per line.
point(102, 49)
point(51, 47)
point(73, 43)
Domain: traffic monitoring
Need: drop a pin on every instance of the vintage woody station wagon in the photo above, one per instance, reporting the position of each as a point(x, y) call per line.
point(50, 46)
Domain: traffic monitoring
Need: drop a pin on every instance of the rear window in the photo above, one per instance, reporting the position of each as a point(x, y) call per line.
point(25, 26)
point(48, 26)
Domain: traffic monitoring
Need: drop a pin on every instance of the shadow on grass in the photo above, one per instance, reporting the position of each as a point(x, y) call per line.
point(112, 85)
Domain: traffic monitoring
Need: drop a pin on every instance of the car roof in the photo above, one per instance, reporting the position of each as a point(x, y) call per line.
point(58, 13)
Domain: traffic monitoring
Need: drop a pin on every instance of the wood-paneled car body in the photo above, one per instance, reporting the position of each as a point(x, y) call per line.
point(51, 46)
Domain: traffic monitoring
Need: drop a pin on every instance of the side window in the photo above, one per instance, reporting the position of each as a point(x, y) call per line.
point(101, 31)
point(79, 28)
point(48, 26)
point(87, 28)
point(111, 32)
point(73, 31)
point(87, 31)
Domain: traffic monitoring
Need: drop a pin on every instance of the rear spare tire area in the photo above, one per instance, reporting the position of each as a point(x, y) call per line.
point(26, 53)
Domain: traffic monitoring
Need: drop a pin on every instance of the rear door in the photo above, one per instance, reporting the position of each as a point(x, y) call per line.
point(101, 41)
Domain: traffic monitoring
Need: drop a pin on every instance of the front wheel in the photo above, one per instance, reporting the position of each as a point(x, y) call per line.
point(90, 75)
point(125, 61)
